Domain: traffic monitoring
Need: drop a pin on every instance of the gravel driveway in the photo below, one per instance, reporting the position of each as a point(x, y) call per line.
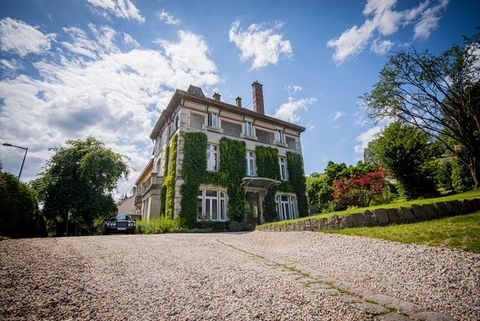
point(235, 276)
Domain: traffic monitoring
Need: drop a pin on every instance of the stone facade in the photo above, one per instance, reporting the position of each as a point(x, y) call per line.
point(191, 111)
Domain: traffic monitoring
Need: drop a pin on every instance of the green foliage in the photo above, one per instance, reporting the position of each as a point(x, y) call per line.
point(405, 150)
point(163, 190)
point(79, 180)
point(461, 179)
point(297, 180)
point(437, 93)
point(170, 179)
point(19, 215)
point(232, 168)
point(443, 174)
point(158, 225)
point(194, 173)
point(268, 166)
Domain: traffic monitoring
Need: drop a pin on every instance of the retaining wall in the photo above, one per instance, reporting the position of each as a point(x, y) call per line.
point(380, 216)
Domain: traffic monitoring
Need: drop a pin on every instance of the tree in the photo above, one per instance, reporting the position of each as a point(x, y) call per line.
point(19, 215)
point(439, 94)
point(360, 189)
point(77, 184)
point(405, 150)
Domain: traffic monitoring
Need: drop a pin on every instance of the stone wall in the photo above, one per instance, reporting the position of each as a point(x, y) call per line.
point(379, 217)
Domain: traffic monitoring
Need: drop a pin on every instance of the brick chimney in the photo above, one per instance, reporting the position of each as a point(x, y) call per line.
point(216, 96)
point(238, 100)
point(258, 97)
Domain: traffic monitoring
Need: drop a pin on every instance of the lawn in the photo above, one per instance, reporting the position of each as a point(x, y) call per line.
point(459, 232)
point(461, 196)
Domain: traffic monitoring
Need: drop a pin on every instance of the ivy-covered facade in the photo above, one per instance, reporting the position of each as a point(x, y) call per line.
point(223, 165)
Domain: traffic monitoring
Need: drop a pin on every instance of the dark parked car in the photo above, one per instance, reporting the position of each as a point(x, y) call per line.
point(121, 223)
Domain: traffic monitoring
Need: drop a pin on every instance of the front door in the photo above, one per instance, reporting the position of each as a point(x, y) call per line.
point(252, 204)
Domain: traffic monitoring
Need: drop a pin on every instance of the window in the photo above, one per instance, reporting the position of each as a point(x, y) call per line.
point(251, 170)
point(213, 120)
point(212, 157)
point(177, 121)
point(283, 169)
point(279, 136)
point(212, 205)
point(286, 206)
point(248, 129)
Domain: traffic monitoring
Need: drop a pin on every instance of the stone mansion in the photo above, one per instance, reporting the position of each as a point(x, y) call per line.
point(217, 162)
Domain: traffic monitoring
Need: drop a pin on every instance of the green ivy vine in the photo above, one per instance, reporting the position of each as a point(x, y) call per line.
point(170, 179)
point(163, 191)
point(297, 181)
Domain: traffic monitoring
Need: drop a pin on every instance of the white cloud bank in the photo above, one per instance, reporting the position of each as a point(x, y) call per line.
point(383, 20)
point(21, 38)
point(261, 45)
point(93, 87)
point(289, 110)
point(120, 8)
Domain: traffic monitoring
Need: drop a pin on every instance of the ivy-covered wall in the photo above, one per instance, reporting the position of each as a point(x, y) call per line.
point(193, 172)
point(232, 170)
point(170, 179)
point(163, 191)
point(297, 181)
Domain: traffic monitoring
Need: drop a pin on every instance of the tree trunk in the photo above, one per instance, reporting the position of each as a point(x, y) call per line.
point(475, 170)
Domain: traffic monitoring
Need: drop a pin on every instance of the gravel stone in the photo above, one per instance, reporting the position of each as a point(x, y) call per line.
point(230, 276)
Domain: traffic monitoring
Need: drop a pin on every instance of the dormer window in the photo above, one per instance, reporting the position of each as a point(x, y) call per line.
point(279, 136)
point(248, 129)
point(213, 120)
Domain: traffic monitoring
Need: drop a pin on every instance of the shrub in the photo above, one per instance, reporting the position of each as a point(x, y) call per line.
point(159, 225)
point(359, 190)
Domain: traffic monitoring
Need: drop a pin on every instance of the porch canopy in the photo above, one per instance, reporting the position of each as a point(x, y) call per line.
point(259, 182)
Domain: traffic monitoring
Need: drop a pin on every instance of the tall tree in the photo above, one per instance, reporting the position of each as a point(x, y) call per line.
point(406, 152)
point(439, 94)
point(77, 184)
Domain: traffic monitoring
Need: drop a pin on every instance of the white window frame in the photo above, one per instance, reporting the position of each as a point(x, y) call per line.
point(213, 120)
point(287, 206)
point(221, 201)
point(251, 163)
point(212, 157)
point(248, 129)
point(279, 136)
point(283, 168)
point(177, 121)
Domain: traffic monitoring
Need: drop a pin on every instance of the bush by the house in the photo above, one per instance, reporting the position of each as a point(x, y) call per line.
point(159, 225)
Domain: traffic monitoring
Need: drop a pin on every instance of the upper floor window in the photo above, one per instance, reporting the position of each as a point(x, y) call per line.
point(212, 205)
point(213, 120)
point(212, 157)
point(177, 121)
point(251, 170)
point(279, 136)
point(248, 129)
point(283, 168)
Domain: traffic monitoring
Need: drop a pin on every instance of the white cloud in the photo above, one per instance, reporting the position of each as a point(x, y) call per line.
point(168, 18)
point(429, 20)
point(260, 44)
point(120, 8)
point(338, 114)
point(366, 137)
point(289, 111)
point(382, 19)
point(293, 89)
point(381, 47)
point(130, 41)
point(95, 88)
point(22, 38)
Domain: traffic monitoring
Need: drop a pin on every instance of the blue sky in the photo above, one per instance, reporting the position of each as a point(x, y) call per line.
point(69, 69)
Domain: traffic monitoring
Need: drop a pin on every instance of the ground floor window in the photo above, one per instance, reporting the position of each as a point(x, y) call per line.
point(286, 206)
point(212, 205)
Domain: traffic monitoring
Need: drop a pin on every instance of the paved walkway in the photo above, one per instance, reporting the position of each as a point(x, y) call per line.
point(235, 276)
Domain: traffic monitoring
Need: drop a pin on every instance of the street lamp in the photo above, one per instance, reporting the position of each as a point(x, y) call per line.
point(24, 156)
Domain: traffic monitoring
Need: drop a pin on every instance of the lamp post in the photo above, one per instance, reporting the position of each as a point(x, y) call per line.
point(24, 156)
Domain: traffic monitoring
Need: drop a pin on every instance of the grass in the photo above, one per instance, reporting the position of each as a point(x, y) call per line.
point(459, 232)
point(461, 196)
point(158, 225)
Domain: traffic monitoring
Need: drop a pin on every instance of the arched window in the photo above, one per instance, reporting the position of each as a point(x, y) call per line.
point(212, 205)
point(286, 206)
